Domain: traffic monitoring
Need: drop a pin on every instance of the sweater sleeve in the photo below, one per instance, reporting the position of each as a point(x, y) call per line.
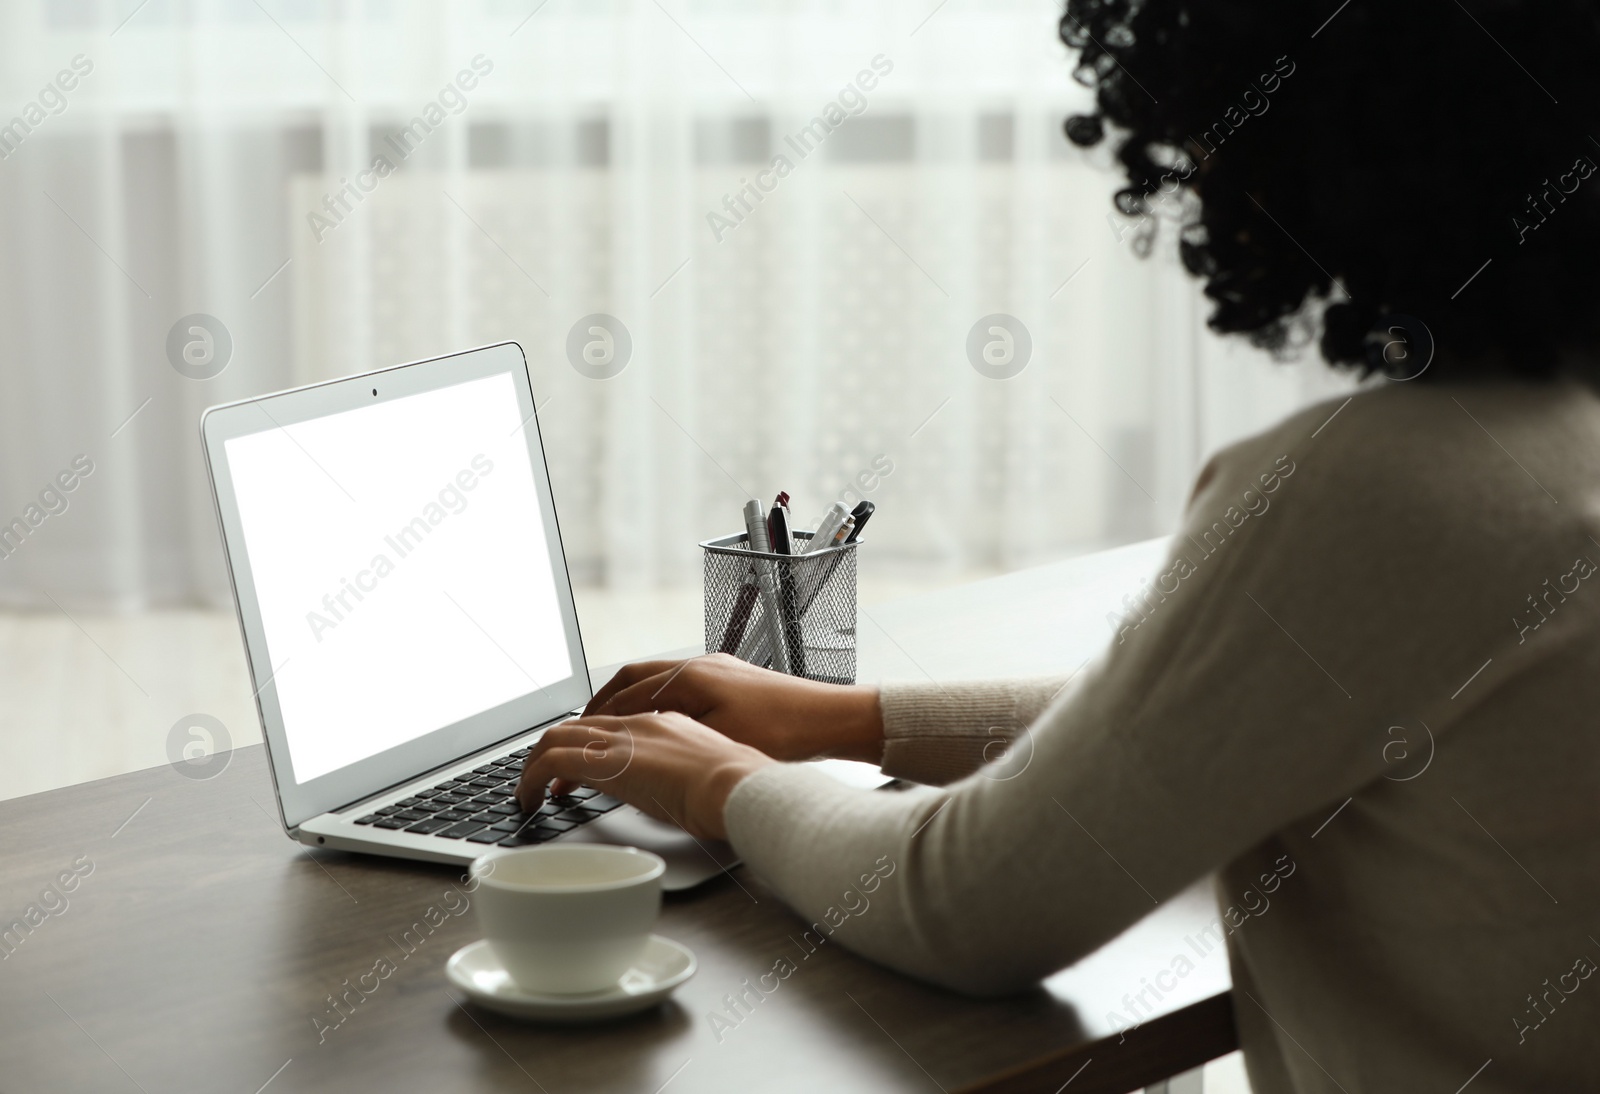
point(937, 733)
point(1248, 690)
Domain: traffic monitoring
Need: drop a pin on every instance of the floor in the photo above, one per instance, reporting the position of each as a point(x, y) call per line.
point(91, 696)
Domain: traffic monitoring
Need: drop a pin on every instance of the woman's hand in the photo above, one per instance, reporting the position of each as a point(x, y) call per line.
point(784, 716)
point(669, 765)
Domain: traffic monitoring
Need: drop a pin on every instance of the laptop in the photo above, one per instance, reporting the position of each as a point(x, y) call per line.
point(407, 615)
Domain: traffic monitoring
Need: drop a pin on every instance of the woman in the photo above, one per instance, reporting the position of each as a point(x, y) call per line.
point(1365, 681)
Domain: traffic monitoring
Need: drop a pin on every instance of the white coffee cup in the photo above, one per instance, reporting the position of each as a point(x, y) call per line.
point(568, 918)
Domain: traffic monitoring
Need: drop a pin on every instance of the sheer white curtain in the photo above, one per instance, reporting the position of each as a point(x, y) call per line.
point(217, 159)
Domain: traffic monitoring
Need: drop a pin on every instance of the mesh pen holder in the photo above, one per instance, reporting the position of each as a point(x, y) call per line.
point(793, 613)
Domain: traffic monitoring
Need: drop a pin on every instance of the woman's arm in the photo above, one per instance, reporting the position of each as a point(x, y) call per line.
point(786, 717)
point(938, 733)
point(1293, 622)
point(727, 720)
point(927, 733)
point(1299, 615)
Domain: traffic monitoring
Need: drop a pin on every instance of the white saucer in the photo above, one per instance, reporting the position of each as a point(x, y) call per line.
point(663, 966)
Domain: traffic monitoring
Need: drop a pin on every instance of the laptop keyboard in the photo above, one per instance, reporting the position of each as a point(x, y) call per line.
point(478, 807)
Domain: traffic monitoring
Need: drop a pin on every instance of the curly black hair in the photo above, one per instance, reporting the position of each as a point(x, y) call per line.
point(1415, 160)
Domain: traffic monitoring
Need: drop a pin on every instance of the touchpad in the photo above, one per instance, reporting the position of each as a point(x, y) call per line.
point(689, 861)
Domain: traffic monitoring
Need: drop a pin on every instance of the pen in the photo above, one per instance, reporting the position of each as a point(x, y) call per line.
point(847, 533)
point(755, 526)
point(813, 577)
point(742, 607)
point(827, 526)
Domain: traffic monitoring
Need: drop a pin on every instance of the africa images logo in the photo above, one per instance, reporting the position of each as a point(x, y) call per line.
point(999, 346)
point(199, 346)
point(599, 346)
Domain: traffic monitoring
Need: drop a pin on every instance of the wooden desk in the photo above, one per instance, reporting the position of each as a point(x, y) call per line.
point(202, 950)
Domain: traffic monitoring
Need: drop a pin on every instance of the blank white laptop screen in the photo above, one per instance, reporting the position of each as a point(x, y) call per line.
point(399, 558)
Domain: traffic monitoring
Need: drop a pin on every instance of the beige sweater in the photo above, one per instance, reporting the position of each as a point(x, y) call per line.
point(1363, 692)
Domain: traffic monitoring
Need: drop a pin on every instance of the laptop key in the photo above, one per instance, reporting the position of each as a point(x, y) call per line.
point(389, 809)
point(488, 835)
point(505, 808)
point(429, 826)
point(529, 838)
point(556, 825)
point(453, 814)
point(583, 792)
point(603, 803)
point(369, 818)
point(508, 824)
point(411, 815)
point(484, 769)
point(577, 816)
point(460, 831)
point(486, 818)
point(390, 822)
point(407, 803)
point(450, 797)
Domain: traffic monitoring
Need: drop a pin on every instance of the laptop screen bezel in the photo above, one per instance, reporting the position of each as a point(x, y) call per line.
point(299, 801)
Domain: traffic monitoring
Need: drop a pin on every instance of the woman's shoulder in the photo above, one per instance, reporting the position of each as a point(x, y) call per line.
point(1422, 516)
point(1436, 456)
point(1391, 528)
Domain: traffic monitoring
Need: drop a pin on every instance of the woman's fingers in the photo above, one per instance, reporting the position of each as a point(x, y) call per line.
point(672, 689)
point(670, 766)
point(591, 751)
point(626, 677)
point(537, 773)
point(565, 752)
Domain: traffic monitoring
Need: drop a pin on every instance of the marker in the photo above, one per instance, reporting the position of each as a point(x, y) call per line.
point(782, 544)
point(778, 528)
point(862, 513)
